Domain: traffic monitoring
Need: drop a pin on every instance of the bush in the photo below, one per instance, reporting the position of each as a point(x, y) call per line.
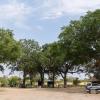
point(3, 81)
point(76, 81)
point(14, 81)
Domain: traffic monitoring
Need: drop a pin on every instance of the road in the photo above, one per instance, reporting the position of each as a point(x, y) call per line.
point(44, 94)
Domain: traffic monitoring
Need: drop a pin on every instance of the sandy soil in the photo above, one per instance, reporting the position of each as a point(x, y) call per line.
point(46, 94)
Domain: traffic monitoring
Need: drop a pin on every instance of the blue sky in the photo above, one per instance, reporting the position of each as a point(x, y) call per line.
point(42, 19)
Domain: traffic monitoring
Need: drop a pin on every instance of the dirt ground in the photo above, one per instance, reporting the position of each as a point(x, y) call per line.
point(46, 94)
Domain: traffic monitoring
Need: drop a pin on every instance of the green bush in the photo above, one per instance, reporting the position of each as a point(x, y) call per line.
point(3, 81)
point(14, 81)
point(76, 81)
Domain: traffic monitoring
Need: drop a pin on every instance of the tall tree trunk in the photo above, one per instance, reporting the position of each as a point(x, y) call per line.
point(31, 80)
point(24, 79)
point(42, 79)
point(53, 79)
point(65, 80)
point(31, 83)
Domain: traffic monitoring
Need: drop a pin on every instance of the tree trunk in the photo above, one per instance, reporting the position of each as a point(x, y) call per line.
point(31, 81)
point(42, 79)
point(65, 80)
point(24, 79)
point(53, 79)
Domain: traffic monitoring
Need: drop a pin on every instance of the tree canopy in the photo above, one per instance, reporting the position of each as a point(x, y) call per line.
point(78, 46)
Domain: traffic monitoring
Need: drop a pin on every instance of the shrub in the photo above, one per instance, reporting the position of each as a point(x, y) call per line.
point(76, 81)
point(14, 81)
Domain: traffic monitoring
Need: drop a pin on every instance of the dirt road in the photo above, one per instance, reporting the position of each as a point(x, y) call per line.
point(44, 94)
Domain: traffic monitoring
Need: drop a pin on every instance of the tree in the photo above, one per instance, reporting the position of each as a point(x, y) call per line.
point(70, 55)
point(9, 48)
point(51, 60)
point(88, 39)
point(80, 42)
point(40, 68)
point(27, 62)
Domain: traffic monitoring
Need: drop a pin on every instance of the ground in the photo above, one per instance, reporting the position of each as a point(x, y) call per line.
point(46, 94)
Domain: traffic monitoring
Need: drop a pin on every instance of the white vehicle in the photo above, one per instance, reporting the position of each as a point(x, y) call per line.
point(93, 87)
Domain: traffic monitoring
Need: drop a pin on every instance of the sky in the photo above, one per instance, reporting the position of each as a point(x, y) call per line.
point(42, 20)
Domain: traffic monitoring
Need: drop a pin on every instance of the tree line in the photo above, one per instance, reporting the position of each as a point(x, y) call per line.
point(77, 50)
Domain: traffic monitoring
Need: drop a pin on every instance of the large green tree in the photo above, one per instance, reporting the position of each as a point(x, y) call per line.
point(70, 49)
point(9, 48)
point(52, 60)
point(27, 62)
point(90, 39)
point(83, 38)
point(68, 54)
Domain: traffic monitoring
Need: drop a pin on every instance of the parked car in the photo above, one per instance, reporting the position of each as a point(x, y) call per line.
point(93, 87)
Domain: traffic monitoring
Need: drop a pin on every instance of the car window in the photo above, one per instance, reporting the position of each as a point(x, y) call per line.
point(88, 84)
point(95, 84)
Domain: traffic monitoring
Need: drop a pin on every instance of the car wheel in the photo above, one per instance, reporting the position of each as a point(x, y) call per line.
point(89, 91)
point(96, 91)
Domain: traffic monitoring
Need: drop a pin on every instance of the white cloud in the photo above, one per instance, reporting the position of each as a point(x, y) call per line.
point(52, 9)
point(14, 14)
point(14, 10)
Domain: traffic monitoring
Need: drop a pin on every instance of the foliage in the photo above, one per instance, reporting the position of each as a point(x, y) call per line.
point(78, 47)
point(81, 39)
point(76, 81)
point(27, 62)
point(9, 47)
point(3, 81)
point(14, 81)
